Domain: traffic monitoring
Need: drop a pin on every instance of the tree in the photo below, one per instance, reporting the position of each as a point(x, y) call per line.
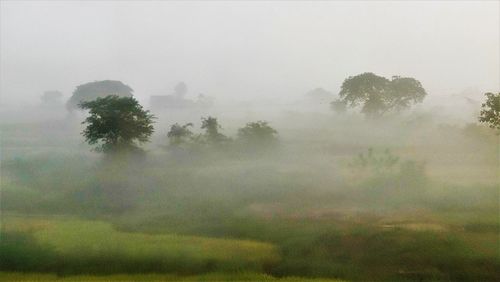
point(319, 95)
point(179, 134)
point(180, 90)
point(212, 134)
point(490, 112)
point(92, 90)
point(377, 95)
point(52, 97)
point(258, 134)
point(116, 123)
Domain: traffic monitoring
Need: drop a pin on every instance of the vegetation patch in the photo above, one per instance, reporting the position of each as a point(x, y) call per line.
point(78, 246)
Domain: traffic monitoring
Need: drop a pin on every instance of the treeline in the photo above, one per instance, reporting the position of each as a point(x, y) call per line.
point(118, 124)
point(255, 135)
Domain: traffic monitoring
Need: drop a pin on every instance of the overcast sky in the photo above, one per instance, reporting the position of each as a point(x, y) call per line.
point(245, 49)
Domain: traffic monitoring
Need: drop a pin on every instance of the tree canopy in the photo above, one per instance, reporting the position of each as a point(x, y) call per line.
point(490, 113)
point(116, 123)
point(180, 90)
point(51, 97)
point(377, 95)
point(319, 95)
point(179, 134)
point(212, 134)
point(92, 90)
point(257, 133)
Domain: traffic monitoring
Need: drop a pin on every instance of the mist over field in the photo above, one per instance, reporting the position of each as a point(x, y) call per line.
point(249, 141)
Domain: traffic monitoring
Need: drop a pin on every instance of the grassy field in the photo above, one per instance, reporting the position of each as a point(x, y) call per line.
point(10, 276)
point(90, 243)
point(311, 209)
point(94, 243)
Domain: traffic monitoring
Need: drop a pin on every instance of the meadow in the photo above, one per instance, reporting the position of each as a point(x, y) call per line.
point(341, 198)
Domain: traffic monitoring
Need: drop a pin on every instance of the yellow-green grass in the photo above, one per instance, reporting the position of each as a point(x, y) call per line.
point(70, 237)
point(16, 276)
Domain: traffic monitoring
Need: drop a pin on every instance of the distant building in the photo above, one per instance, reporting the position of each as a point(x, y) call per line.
point(161, 102)
point(177, 100)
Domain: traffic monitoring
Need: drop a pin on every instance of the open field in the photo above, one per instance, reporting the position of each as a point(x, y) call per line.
point(300, 211)
point(98, 244)
point(8, 276)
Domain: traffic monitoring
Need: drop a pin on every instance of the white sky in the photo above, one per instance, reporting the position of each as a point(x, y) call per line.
point(273, 50)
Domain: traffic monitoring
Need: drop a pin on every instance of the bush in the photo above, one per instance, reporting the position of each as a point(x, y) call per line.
point(20, 252)
point(257, 135)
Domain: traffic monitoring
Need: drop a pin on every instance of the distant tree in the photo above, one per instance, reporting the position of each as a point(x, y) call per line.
point(179, 134)
point(490, 112)
point(212, 134)
point(319, 95)
point(377, 95)
point(258, 133)
point(180, 90)
point(375, 161)
point(404, 92)
point(92, 90)
point(116, 123)
point(52, 97)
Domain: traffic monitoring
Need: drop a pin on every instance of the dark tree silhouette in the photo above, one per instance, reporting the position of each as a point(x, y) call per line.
point(258, 134)
point(212, 134)
point(377, 95)
point(179, 134)
point(116, 123)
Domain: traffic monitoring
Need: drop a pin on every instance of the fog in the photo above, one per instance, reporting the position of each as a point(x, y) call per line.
point(239, 51)
point(249, 141)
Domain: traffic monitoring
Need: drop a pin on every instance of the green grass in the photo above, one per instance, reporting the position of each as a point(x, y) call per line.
point(94, 238)
point(69, 249)
point(206, 216)
point(94, 246)
point(15, 276)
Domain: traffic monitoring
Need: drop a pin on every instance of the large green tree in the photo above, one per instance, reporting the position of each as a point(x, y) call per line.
point(116, 123)
point(490, 113)
point(92, 90)
point(377, 95)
